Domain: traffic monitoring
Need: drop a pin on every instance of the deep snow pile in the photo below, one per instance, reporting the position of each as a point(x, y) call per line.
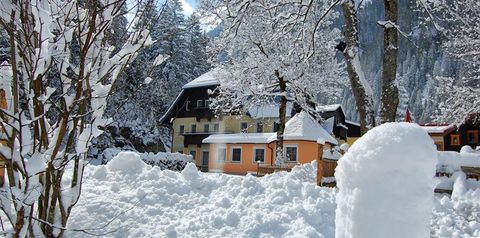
point(386, 181)
point(144, 201)
point(458, 217)
point(164, 160)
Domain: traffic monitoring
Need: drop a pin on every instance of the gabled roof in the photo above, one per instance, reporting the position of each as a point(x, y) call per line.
point(438, 128)
point(170, 109)
point(303, 127)
point(207, 79)
point(328, 108)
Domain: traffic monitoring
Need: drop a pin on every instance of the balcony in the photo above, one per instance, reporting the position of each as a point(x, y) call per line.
point(203, 113)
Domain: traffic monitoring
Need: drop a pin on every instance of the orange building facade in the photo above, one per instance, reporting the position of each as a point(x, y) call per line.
point(242, 153)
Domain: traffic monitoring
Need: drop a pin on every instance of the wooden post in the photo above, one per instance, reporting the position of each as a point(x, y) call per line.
point(319, 165)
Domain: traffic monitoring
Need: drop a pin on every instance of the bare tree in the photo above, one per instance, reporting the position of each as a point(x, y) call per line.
point(361, 89)
point(390, 94)
point(45, 157)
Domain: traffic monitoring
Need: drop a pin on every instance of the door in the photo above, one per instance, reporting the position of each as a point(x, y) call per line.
point(204, 161)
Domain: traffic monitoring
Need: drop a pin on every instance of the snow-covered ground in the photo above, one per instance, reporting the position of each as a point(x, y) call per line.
point(127, 198)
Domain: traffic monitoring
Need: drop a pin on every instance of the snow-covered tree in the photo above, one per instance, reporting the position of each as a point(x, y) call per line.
point(274, 51)
point(361, 89)
point(184, 42)
point(66, 42)
point(459, 22)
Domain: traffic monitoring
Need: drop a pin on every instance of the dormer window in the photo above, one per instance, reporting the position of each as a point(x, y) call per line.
point(187, 106)
point(243, 127)
point(199, 103)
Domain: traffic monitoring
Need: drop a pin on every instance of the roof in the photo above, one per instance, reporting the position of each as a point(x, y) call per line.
point(328, 108)
point(266, 111)
point(437, 129)
point(328, 124)
point(303, 127)
point(170, 108)
point(246, 138)
point(352, 123)
point(207, 79)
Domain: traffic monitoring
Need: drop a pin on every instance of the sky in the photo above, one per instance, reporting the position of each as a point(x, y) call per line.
point(188, 6)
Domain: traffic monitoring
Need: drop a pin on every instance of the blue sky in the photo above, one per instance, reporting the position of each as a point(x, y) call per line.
point(189, 6)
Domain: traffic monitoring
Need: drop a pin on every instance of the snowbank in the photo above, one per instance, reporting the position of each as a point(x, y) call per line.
point(164, 160)
point(163, 203)
point(386, 182)
point(452, 161)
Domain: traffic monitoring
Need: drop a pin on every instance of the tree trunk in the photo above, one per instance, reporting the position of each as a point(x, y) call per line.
point(390, 46)
point(360, 88)
point(282, 111)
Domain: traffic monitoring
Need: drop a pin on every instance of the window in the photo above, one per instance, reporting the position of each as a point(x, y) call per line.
point(194, 128)
point(199, 103)
point(206, 128)
point(291, 153)
point(207, 103)
point(221, 154)
point(181, 129)
point(259, 155)
point(236, 155)
point(243, 127)
point(259, 127)
point(216, 127)
point(193, 153)
point(276, 126)
point(472, 137)
point(455, 139)
point(439, 146)
point(187, 106)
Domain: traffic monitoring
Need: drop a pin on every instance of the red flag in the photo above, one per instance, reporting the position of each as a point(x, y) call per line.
point(408, 117)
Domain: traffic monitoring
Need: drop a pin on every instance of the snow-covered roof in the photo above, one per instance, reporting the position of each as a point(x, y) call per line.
point(209, 78)
point(266, 111)
point(437, 128)
point(248, 138)
point(352, 123)
point(328, 124)
point(303, 127)
point(328, 108)
point(170, 108)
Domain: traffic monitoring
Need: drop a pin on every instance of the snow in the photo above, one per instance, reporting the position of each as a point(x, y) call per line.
point(437, 129)
point(164, 160)
point(469, 151)
point(162, 203)
point(328, 124)
point(352, 123)
point(331, 154)
point(303, 127)
point(147, 80)
point(328, 108)
point(127, 162)
point(452, 161)
point(254, 138)
point(209, 78)
point(386, 182)
point(345, 147)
